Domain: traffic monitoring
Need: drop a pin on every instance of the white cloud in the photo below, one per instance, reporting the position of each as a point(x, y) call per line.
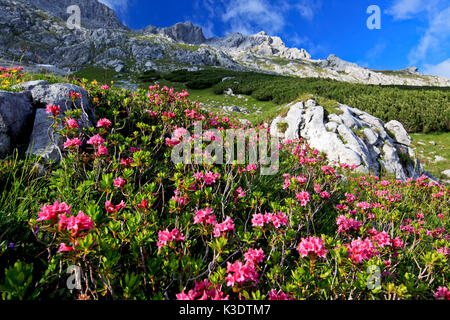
point(208, 28)
point(307, 8)
point(306, 43)
point(253, 15)
point(435, 38)
point(407, 9)
point(442, 69)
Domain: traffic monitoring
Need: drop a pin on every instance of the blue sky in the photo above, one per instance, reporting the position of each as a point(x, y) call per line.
point(413, 32)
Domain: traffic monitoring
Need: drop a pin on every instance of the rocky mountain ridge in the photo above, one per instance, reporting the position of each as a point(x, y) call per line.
point(36, 32)
point(94, 14)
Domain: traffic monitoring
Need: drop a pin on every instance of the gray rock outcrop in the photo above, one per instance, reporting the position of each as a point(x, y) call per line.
point(94, 14)
point(35, 32)
point(16, 110)
point(351, 136)
point(399, 132)
point(25, 122)
point(180, 32)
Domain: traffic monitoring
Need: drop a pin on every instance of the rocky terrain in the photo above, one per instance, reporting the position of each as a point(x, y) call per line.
point(35, 31)
point(351, 136)
point(24, 122)
point(348, 136)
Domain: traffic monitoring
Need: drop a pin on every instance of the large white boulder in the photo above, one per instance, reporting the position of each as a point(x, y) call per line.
point(353, 137)
point(399, 131)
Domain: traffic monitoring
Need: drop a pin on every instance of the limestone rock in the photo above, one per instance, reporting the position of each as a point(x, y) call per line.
point(24, 120)
point(94, 14)
point(16, 110)
point(29, 85)
point(5, 140)
point(181, 32)
point(58, 94)
point(353, 137)
point(42, 142)
point(292, 120)
point(399, 131)
point(446, 173)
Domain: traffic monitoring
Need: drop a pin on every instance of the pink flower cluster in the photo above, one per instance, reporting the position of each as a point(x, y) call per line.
point(72, 123)
point(64, 248)
point(239, 193)
point(221, 228)
point(75, 223)
point(119, 182)
point(52, 211)
point(52, 109)
point(110, 208)
point(98, 142)
point(206, 217)
point(203, 290)
point(72, 143)
point(208, 178)
point(363, 205)
point(347, 224)
point(240, 273)
point(103, 123)
point(383, 239)
point(313, 245)
point(166, 236)
point(360, 250)
point(442, 293)
point(277, 219)
point(254, 256)
point(180, 200)
point(303, 197)
point(274, 295)
point(328, 171)
point(350, 198)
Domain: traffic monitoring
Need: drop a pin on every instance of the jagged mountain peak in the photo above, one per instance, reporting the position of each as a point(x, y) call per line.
point(37, 37)
point(260, 43)
point(181, 32)
point(94, 14)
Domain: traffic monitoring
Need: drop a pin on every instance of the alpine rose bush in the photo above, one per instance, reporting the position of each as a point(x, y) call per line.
point(142, 227)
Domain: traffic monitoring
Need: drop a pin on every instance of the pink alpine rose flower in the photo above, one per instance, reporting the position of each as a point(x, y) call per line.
point(303, 197)
point(273, 295)
point(72, 123)
point(312, 245)
point(51, 212)
point(64, 248)
point(96, 140)
point(119, 182)
point(360, 250)
point(220, 228)
point(442, 293)
point(52, 109)
point(75, 142)
point(166, 236)
point(110, 208)
point(102, 151)
point(254, 256)
point(103, 123)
